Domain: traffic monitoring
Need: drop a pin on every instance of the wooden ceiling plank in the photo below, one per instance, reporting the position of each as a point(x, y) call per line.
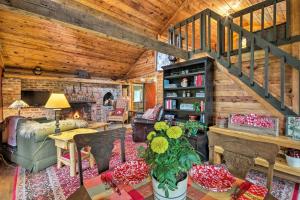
point(86, 19)
point(139, 26)
point(1, 58)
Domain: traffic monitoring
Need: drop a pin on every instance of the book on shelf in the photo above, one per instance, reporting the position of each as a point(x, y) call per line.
point(199, 80)
point(170, 104)
point(200, 94)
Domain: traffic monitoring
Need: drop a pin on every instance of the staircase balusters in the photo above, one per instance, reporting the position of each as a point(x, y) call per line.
point(241, 21)
point(240, 54)
point(282, 81)
point(262, 21)
point(274, 20)
point(266, 72)
point(219, 38)
point(209, 32)
point(252, 61)
point(229, 47)
point(251, 22)
point(256, 41)
point(203, 31)
point(174, 36)
point(170, 37)
point(180, 37)
point(193, 35)
point(186, 35)
point(288, 19)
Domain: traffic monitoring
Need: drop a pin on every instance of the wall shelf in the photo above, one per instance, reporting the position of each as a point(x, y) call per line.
point(199, 74)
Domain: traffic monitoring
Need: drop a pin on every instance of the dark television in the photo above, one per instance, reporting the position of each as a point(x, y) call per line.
point(35, 98)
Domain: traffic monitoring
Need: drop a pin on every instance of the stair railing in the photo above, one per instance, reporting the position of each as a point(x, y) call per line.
point(246, 39)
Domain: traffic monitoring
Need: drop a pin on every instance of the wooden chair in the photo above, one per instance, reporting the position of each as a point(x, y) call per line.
point(101, 144)
point(120, 103)
point(239, 155)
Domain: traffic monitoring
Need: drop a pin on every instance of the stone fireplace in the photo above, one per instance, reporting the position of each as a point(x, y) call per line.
point(86, 99)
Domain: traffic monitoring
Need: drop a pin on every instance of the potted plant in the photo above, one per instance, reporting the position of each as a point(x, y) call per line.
point(170, 156)
point(192, 127)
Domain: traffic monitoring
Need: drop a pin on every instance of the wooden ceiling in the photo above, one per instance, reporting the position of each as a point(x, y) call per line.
point(29, 41)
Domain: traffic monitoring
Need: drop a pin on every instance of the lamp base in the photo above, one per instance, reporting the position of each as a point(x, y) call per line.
point(57, 129)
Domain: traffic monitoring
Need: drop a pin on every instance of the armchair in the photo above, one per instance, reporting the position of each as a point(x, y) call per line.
point(141, 127)
point(120, 113)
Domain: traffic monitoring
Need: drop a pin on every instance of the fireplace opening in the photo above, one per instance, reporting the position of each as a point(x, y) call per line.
point(79, 111)
point(108, 99)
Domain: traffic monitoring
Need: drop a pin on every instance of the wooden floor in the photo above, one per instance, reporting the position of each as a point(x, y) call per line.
point(7, 174)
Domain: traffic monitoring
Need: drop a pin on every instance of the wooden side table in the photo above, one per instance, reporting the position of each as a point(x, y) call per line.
point(64, 141)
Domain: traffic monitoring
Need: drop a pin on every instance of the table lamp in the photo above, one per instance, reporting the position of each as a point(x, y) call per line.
point(57, 102)
point(18, 104)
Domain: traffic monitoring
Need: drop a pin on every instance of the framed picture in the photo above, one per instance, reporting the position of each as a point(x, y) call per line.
point(293, 127)
point(161, 60)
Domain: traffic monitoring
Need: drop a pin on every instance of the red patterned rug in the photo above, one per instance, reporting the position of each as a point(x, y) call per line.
point(57, 184)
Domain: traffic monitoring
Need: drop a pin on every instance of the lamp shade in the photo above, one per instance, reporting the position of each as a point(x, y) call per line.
point(57, 101)
point(18, 104)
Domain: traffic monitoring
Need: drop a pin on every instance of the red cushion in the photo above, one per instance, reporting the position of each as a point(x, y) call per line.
point(119, 111)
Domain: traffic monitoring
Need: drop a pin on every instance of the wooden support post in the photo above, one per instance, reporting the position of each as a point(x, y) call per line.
point(78, 16)
point(295, 30)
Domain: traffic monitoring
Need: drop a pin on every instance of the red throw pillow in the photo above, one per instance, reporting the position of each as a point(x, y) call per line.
point(119, 111)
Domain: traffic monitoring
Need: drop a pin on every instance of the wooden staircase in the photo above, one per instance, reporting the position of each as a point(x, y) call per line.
point(195, 35)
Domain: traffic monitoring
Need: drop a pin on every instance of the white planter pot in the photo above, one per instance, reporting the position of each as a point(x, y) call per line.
point(178, 194)
point(292, 162)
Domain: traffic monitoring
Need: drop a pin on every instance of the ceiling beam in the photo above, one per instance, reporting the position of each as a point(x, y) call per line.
point(81, 16)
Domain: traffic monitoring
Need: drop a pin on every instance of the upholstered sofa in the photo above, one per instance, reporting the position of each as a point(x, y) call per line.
point(141, 126)
point(34, 150)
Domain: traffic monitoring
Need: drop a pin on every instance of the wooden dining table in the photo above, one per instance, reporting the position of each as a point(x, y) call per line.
point(96, 189)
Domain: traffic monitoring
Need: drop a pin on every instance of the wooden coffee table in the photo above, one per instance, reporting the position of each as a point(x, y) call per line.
point(65, 141)
point(96, 125)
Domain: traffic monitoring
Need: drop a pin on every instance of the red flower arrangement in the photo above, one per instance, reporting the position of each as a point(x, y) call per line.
point(213, 178)
point(255, 120)
point(131, 172)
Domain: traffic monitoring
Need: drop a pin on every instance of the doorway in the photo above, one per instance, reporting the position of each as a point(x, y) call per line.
point(150, 95)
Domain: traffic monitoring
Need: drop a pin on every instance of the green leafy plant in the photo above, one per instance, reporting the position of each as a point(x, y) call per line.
point(191, 127)
point(169, 155)
point(196, 106)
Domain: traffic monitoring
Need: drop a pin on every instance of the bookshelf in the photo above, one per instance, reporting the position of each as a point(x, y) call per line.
point(180, 100)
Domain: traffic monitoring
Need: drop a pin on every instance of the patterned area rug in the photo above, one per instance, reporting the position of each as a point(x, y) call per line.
point(56, 184)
